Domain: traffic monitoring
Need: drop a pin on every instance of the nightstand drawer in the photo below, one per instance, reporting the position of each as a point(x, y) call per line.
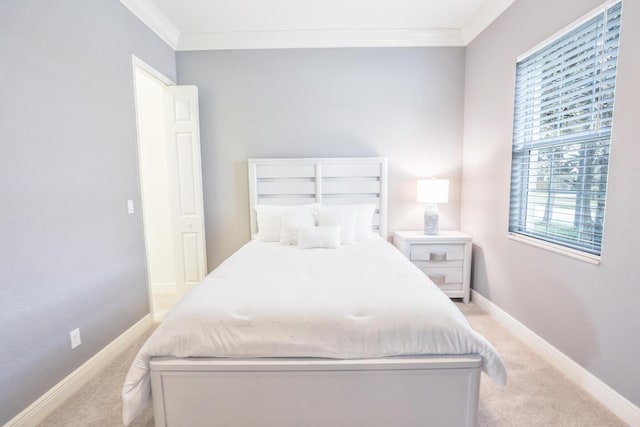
point(440, 264)
point(436, 252)
point(445, 257)
point(447, 278)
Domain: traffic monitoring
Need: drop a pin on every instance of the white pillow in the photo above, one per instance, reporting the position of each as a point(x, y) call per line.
point(291, 221)
point(364, 222)
point(319, 237)
point(341, 216)
point(338, 215)
point(268, 219)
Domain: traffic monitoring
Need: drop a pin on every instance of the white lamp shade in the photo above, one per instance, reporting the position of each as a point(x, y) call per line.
point(433, 191)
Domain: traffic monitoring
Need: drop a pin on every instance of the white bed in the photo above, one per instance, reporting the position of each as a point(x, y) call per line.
point(283, 336)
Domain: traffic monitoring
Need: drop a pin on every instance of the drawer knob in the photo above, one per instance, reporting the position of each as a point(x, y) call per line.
point(438, 279)
point(437, 256)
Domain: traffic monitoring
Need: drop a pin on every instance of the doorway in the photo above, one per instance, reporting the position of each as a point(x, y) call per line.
point(170, 185)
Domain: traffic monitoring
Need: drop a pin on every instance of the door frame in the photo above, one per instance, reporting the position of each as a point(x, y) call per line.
point(139, 64)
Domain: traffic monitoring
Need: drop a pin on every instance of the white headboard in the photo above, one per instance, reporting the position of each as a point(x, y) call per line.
point(331, 181)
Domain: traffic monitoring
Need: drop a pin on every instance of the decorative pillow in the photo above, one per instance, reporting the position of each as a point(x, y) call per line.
point(268, 219)
point(319, 237)
point(342, 216)
point(291, 221)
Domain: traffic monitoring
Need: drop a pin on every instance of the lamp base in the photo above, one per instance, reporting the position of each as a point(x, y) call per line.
point(431, 220)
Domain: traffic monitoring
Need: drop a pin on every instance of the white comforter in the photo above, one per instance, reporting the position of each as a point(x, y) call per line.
point(268, 300)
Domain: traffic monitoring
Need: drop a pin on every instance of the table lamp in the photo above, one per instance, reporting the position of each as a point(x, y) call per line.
point(431, 192)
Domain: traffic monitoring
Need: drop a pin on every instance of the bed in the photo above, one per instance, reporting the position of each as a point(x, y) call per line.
point(313, 333)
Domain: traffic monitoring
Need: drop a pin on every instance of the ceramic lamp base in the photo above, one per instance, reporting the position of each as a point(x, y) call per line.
point(431, 220)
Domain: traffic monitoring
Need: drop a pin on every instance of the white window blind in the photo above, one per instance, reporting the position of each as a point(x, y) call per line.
point(563, 115)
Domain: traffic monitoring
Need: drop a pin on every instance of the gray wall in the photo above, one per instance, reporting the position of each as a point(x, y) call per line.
point(589, 312)
point(70, 256)
point(404, 104)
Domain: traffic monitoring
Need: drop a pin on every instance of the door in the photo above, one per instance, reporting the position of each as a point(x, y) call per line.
point(185, 184)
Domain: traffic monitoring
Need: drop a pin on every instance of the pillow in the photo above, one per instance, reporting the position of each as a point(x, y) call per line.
point(341, 216)
point(268, 219)
point(291, 221)
point(319, 237)
point(364, 222)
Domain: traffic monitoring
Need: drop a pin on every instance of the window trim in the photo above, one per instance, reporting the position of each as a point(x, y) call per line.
point(531, 240)
point(552, 247)
point(568, 28)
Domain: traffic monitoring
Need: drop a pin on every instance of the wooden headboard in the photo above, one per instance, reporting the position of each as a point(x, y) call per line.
point(331, 181)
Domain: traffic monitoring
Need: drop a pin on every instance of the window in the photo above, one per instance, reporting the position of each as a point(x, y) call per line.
point(563, 113)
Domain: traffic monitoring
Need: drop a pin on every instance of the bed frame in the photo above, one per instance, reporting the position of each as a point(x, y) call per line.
point(286, 392)
point(332, 181)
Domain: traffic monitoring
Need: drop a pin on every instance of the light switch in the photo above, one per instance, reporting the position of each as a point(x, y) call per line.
point(130, 209)
point(75, 338)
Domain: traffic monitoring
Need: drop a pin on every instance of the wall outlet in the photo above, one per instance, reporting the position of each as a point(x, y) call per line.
point(75, 338)
point(130, 208)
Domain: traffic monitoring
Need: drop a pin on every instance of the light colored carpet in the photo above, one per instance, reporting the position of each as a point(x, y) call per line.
point(536, 393)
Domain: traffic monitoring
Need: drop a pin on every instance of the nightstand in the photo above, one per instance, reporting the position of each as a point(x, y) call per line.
point(444, 257)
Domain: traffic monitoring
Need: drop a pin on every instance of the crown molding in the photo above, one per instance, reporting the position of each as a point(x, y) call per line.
point(420, 37)
point(319, 39)
point(483, 18)
point(155, 20)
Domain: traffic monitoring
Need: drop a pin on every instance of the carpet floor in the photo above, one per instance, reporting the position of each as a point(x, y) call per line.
point(536, 393)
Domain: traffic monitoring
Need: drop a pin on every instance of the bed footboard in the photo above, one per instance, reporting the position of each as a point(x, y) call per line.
point(399, 391)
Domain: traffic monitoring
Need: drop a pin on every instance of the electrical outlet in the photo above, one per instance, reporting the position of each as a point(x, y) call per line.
point(130, 208)
point(75, 338)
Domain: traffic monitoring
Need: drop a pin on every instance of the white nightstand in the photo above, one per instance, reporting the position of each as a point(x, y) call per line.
point(444, 257)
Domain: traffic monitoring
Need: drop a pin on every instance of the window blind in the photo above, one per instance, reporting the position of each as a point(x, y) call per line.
point(563, 114)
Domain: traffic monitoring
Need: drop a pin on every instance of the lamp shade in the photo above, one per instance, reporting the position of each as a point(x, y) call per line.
point(433, 190)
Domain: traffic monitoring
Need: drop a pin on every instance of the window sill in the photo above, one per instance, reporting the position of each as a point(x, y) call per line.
point(591, 259)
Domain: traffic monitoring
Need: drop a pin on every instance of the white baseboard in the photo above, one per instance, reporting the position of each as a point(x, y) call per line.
point(610, 398)
point(52, 399)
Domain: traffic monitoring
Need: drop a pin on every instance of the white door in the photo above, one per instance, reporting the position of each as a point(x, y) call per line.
point(185, 184)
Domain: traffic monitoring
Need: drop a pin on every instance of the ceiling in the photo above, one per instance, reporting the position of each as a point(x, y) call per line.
point(256, 24)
